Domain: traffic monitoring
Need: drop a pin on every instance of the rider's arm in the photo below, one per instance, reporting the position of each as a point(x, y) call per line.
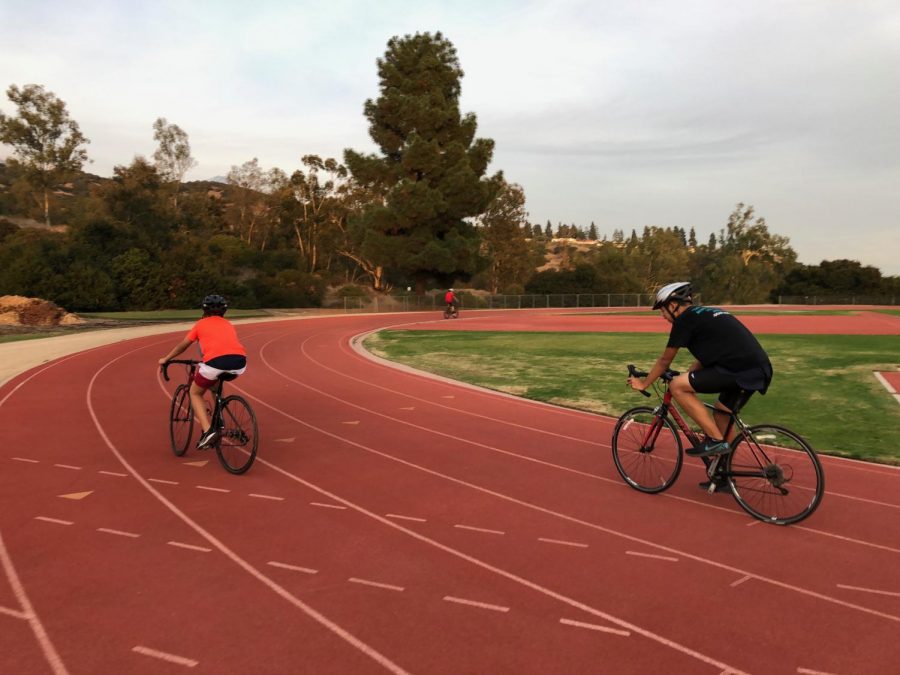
point(662, 363)
point(176, 350)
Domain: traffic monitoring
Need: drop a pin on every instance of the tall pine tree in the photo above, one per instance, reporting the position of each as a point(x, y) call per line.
point(431, 170)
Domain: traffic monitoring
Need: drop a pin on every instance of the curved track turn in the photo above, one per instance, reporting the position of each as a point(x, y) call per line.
point(398, 523)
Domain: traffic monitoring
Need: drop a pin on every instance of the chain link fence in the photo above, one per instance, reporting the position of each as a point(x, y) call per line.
point(837, 300)
point(414, 303)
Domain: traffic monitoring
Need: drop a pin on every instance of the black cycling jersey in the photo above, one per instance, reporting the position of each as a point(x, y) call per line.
point(718, 340)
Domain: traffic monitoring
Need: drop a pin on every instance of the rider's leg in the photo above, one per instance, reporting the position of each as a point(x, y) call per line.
point(686, 397)
point(722, 416)
point(199, 405)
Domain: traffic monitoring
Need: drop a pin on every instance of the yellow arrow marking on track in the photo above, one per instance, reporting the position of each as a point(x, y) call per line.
point(284, 440)
point(77, 495)
point(408, 408)
point(200, 463)
point(353, 422)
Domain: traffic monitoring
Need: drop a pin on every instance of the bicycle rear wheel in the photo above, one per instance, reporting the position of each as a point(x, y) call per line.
point(647, 450)
point(181, 420)
point(775, 475)
point(238, 440)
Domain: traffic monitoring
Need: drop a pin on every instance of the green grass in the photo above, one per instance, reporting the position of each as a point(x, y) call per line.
point(823, 387)
point(739, 312)
point(895, 312)
point(25, 336)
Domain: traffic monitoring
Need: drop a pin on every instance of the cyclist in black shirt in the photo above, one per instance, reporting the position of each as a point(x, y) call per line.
point(729, 361)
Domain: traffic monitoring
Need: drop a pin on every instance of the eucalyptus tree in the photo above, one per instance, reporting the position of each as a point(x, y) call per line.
point(430, 173)
point(46, 142)
point(253, 212)
point(173, 156)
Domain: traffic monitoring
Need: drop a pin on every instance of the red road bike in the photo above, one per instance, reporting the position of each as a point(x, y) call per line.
point(238, 438)
point(773, 473)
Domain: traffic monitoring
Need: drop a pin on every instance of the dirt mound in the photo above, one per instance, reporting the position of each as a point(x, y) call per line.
point(16, 310)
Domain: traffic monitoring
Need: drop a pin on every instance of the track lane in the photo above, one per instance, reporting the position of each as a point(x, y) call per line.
point(314, 456)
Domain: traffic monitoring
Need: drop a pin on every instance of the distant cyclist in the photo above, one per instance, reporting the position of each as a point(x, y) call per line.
point(451, 301)
point(221, 351)
point(729, 360)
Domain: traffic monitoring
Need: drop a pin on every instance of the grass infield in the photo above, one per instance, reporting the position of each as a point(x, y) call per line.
point(823, 388)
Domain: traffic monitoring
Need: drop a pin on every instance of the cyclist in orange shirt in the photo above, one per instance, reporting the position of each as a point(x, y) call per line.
point(221, 352)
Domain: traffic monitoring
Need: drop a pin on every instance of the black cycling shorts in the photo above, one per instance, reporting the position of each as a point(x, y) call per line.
point(711, 381)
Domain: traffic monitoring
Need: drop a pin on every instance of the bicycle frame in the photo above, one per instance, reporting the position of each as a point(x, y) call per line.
point(667, 408)
point(215, 413)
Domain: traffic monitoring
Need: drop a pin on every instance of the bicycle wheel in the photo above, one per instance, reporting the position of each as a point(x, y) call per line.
point(647, 450)
point(181, 420)
point(775, 475)
point(237, 442)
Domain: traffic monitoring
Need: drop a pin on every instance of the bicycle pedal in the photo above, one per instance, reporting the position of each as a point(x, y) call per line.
point(712, 466)
point(712, 487)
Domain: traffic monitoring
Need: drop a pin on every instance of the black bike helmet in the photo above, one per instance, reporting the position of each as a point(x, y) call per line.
point(678, 290)
point(214, 305)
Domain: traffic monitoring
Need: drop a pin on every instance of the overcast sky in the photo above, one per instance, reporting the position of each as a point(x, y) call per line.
point(622, 113)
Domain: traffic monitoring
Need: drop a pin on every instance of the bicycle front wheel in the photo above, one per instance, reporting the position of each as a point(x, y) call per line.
point(181, 420)
point(647, 450)
point(775, 475)
point(238, 440)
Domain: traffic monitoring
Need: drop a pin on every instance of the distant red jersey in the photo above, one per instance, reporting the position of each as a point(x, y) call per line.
point(217, 337)
point(450, 297)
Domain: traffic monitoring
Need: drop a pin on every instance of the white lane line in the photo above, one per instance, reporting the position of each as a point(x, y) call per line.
point(25, 459)
point(121, 533)
point(164, 482)
point(114, 473)
point(252, 570)
point(165, 656)
point(50, 653)
point(292, 568)
point(740, 581)
point(412, 518)
point(475, 603)
point(68, 466)
point(211, 489)
point(563, 543)
point(277, 499)
point(807, 671)
point(328, 506)
point(870, 590)
point(15, 613)
point(660, 639)
point(54, 520)
point(593, 626)
point(887, 385)
point(376, 584)
point(189, 546)
point(478, 529)
point(652, 555)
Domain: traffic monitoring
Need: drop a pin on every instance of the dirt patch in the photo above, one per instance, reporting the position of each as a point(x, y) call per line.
point(16, 310)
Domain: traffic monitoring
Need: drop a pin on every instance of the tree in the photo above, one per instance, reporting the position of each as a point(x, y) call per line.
point(431, 170)
point(46, 141)
point(592, 232)
point(253, 201)
point(503, 239)
point(318, 221)
point(173, 156)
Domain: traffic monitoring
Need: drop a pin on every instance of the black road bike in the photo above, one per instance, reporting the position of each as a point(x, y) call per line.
point(238, 438)
point(772, 472)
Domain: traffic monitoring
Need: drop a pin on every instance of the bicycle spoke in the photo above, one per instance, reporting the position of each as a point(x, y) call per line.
point(646, 450)
point(776, 475)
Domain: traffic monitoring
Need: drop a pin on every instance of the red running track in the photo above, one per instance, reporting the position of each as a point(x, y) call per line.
point(398, 523)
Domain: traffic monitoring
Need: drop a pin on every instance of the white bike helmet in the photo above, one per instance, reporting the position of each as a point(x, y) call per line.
point(678, 290)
